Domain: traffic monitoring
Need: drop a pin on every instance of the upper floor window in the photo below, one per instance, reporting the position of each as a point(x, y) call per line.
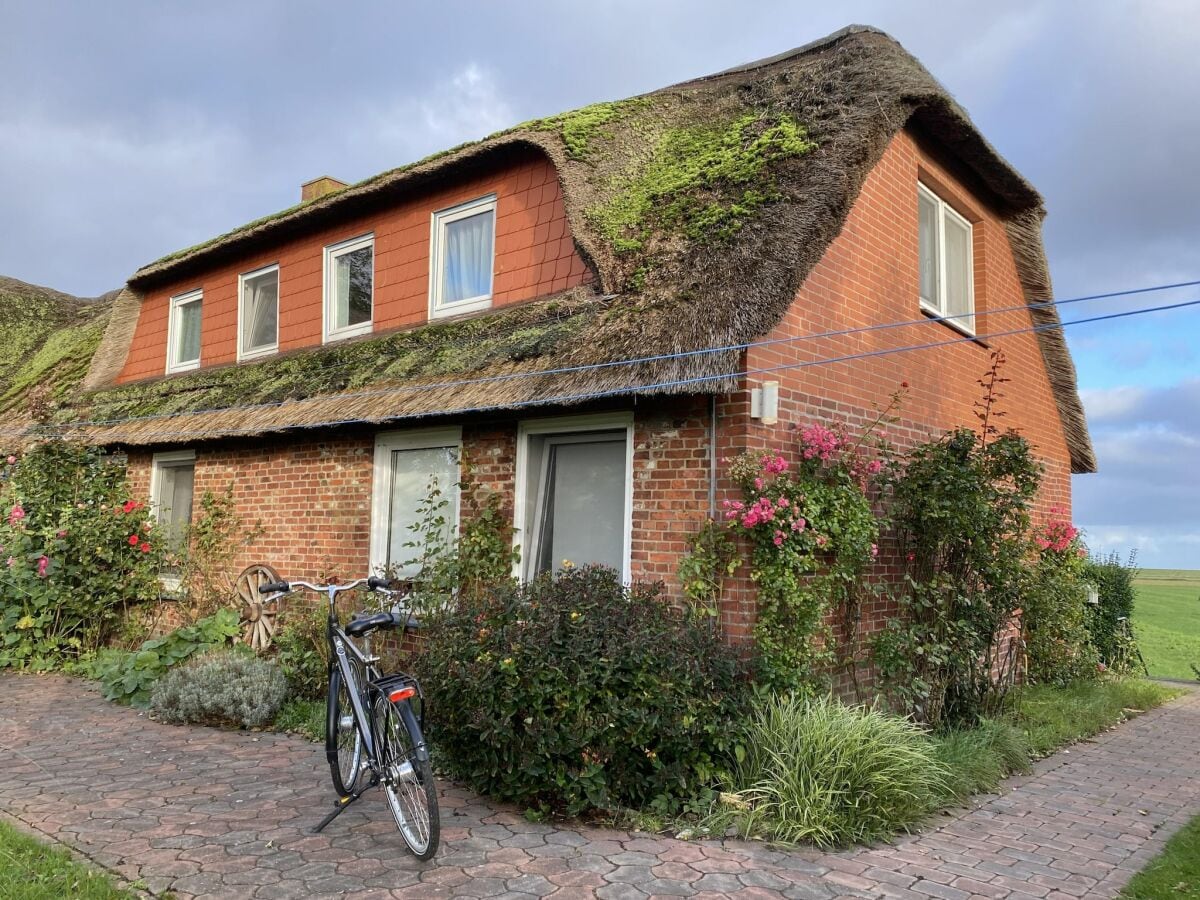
point(947, 266)
point(258, 312)
point(462, 255)
point(183, 332)
point(349, 287)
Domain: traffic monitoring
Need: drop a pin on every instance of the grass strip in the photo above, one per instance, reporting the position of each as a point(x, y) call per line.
point(31, 870)
point(1174, 873)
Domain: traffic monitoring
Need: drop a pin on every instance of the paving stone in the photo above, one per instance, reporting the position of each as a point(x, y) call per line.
point(203, 812)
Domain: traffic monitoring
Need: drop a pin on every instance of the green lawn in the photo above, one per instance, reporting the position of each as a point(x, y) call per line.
point(31, 870)
point(1166, 618)
point(1175, 873)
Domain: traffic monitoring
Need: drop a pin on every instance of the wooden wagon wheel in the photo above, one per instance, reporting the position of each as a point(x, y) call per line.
point(258, 619)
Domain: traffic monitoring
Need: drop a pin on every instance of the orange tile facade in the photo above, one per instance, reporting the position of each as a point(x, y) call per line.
point(535, 256)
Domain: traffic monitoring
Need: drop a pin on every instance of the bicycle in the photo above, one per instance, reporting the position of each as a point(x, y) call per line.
point(372, 734)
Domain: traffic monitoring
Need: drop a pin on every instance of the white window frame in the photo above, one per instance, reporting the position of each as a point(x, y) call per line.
point(177, 302)
point(386, 442)
point(437, 258)
point(571, 425)
point(964, 323)
point(267, 349)
point(158, 462)
point(328, 331)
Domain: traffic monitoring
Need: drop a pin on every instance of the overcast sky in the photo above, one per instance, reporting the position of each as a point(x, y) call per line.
point(131, 129)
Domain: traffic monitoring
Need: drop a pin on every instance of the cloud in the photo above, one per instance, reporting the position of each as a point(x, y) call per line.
point(1147, 492)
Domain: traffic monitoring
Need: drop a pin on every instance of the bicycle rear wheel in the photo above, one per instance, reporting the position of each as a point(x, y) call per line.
point(407, 777)
point(343, 742)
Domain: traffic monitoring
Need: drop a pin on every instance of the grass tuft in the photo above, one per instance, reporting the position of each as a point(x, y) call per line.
point(977, 759)
point(818, 771)
point(304, 717)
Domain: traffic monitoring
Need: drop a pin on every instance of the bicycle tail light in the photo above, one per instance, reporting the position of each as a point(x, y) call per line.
point(404, 693)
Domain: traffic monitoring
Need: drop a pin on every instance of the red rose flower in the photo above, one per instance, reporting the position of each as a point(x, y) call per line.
point(145, 548)
point(133, 540)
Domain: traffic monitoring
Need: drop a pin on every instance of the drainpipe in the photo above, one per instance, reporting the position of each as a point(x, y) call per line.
point(712, 456)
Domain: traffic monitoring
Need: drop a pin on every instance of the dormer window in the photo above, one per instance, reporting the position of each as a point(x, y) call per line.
point(183, 332)
point(946, 261)
point(258, 312)
point(349, 287)
point(462, 258)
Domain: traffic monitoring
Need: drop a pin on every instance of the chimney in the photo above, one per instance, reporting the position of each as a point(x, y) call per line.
point(319, 187)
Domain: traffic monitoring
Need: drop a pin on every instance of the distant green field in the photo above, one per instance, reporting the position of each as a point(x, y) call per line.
point(1166, 619)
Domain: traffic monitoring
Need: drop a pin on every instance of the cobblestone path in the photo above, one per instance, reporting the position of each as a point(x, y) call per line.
point(209, 813)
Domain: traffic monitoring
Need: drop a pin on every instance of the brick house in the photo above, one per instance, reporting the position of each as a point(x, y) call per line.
point(325, 362)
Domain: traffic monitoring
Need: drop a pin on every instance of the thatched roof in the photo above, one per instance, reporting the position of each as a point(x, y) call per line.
point(702, 207)
point(48, 341)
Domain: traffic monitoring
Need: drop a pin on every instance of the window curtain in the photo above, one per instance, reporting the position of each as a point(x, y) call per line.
point(189, 332)
point(263, 308)
point(467, 265)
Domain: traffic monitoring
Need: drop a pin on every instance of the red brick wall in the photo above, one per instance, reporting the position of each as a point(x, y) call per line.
point(535, 256)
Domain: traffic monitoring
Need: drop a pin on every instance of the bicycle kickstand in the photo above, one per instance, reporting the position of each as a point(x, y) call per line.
point(342, 803)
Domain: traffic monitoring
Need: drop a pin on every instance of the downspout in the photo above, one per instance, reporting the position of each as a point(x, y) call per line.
point(712, 457)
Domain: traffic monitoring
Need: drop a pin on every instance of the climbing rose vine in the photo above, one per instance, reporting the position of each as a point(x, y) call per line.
point(813, 533)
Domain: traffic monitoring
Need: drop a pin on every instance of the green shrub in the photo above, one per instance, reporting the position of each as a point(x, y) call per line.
point(575, 692)
point(128, 677)
point(976, 759)
point(75, 553)
point(819, 771)
point(1054, 608)
point(1108, 620)
point(223, 687)
point(302, 651)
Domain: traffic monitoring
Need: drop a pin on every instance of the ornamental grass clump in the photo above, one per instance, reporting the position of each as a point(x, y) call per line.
point(818, 771)
point(225, 687)
point(574, 692)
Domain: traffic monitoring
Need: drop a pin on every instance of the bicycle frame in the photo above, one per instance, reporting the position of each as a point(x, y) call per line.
point(342, 647)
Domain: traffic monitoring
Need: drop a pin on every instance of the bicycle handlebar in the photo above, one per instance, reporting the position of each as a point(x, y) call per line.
point(278, 588)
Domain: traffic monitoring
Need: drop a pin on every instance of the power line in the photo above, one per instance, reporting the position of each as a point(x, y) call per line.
point(684, 382)
point(565, 370)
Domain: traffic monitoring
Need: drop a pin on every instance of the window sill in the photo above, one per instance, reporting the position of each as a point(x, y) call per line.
point(954, 325)
point(177, 368)
point(257, 354)
point(332, 337)
point(461, 308)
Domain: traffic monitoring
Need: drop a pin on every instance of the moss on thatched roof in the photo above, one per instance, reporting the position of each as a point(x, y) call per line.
point(702, 207)
point(49, 339)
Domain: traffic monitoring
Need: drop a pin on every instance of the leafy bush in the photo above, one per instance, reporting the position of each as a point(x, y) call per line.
point(223, 687)
point(575, 692)
point(1108, 621)
point(130, 677)
point(976, 759)
point(817, 770)
point(207, 551)
point(302, 650)
point(75, 553)
point(961, 507)
point(1054, 609)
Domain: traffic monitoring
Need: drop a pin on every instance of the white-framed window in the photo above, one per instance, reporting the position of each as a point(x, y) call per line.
point(574, 492)
point(349, 287)
point(946, 261)
point(183, 332)
point(172, 488)
point(258, 312)
point(408, 465)
point(462, 256)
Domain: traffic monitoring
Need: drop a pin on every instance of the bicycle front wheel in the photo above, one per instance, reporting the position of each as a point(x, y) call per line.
point(343, 742)
point(407, 777)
